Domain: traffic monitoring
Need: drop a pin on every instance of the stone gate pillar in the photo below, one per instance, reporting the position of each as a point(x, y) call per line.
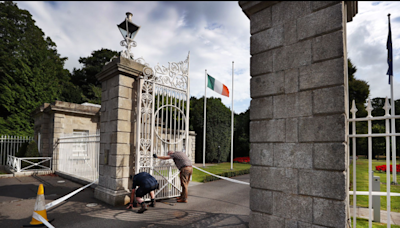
point(298, 112)
point(117, 128)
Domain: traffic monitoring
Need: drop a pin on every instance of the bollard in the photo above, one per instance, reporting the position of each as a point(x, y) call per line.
point(376, 200)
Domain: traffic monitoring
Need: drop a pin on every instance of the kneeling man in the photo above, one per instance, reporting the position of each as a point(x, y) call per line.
point(146, 184)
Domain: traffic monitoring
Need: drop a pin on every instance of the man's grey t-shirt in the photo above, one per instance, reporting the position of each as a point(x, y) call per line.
point(181, 159)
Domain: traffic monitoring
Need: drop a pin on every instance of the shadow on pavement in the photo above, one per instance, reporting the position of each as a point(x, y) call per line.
point(74, 215)
point(76, 212)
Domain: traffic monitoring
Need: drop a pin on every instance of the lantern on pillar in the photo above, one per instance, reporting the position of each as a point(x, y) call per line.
point(128, 30)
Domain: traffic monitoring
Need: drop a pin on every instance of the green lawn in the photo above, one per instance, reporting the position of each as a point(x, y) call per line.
point(363, 223)
point(217, 169)
point(362, 184)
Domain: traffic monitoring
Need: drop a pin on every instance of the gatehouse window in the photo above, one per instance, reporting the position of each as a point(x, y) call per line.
point(79, 148)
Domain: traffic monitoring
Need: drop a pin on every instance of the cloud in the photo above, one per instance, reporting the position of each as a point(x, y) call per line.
point(215, 33)
point(366, 42)
point(396, 20)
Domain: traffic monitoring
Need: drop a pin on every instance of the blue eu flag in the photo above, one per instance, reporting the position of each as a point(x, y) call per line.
point(390, 52)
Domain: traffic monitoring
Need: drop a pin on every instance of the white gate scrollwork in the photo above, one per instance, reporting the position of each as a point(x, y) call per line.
point(163, 117)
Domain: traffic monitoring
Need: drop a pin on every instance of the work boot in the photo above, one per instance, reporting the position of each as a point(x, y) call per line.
point(153, 203)
point(143, 209)
point(181, 200)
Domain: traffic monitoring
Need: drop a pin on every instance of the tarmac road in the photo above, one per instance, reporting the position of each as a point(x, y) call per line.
point(215, 204)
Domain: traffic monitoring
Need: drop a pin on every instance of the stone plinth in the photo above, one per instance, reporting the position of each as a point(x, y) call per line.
point(117, 129)
point(298, 112)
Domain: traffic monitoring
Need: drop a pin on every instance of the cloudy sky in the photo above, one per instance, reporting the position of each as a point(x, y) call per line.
point(215, 33)
point(366, 45)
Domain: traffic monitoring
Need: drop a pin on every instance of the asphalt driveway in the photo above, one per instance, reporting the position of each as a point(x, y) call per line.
point(215, 204)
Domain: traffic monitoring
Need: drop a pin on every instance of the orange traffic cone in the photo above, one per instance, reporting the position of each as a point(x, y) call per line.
point(40, 206)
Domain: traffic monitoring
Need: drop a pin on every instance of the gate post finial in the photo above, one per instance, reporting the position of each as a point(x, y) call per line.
point(369, 108)
point(386, 107)
point(353, 109)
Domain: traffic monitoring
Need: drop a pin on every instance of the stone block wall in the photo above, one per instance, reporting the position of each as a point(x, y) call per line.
point(115, 134)
point(117, 129)
point(298, 87)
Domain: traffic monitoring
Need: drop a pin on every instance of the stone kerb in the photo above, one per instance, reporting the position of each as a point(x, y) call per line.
point(118, 80)
point(297, 112)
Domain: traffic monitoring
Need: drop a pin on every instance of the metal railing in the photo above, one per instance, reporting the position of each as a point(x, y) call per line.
point(78, 156)
point(10, 144)
point(387, 135)
point(29, 163)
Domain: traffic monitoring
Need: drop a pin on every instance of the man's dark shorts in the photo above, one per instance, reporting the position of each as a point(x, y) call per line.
point(140, 192)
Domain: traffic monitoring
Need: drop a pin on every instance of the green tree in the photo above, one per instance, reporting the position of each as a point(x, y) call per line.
point(359, 92)
point(218, 128)
point(378, 143)
point(379, 126)
point(70, 92)
point(241, 142)
point(85, 78)
point(196, 120)
point(31, 70)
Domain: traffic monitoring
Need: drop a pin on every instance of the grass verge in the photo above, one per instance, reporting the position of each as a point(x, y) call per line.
point(219, 169)
point(362, 184)
point(363, 223)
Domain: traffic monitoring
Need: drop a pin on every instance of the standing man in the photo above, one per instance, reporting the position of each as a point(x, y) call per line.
point(147, 184)
point(184, 164)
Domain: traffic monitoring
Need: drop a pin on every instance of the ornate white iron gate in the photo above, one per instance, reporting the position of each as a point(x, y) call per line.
point(163, 108)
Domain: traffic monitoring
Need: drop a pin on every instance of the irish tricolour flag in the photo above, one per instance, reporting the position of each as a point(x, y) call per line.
point(217, 86)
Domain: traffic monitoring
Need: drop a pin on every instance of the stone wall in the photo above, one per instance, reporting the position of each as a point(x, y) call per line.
point(298, 113)
point(118, 127)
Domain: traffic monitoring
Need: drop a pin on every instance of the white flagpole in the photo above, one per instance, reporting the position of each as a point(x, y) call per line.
point(393, 112)
point(393, 131)
point(204, 129)
point(232, 123)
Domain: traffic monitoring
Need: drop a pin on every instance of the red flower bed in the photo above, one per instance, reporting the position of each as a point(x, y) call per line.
point(242, 159)
point(383, 168)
